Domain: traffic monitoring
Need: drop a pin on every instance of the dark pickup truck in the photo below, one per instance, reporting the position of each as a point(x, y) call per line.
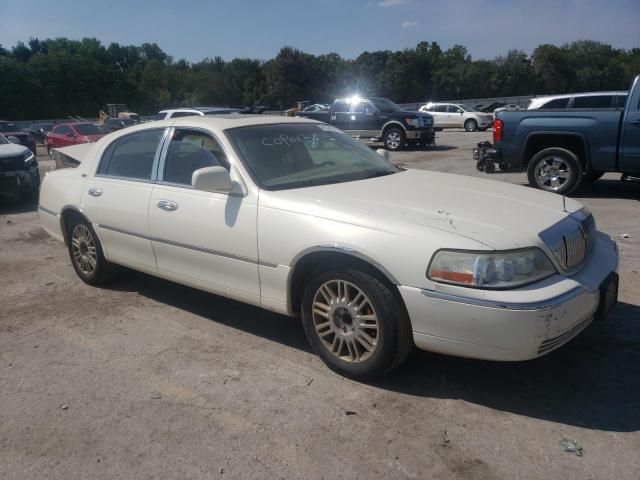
point(380, 119)
point(560, 149)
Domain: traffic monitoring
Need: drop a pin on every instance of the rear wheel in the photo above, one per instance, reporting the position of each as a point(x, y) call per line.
point(86, 253)
point(355, 322)
point(394, 139)
point(554, 170)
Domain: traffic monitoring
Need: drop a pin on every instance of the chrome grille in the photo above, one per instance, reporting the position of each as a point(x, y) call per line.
point(572, 248)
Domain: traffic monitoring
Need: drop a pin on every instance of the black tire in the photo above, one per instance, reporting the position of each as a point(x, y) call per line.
point(592, 176)
point(504, 166)
point(394, 139)
point(489, 167)
point(483, 129)
point(394, 339)
point(103, 271)
point(564, 172)
point(480, 165)
point(470, 125)
point(50, 153)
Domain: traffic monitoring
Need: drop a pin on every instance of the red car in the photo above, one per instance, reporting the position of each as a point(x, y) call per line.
point(67, 134)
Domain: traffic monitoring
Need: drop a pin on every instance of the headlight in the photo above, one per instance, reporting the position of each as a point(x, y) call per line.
point(499, 270)
point(415, 122)
point(28, 156)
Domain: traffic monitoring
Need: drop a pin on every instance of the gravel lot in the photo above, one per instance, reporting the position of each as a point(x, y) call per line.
point(148, 379)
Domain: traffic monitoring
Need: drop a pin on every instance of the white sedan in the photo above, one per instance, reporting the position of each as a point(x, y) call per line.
point(295, 216)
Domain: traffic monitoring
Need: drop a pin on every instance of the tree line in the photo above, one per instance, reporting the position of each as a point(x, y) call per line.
point(54, 78)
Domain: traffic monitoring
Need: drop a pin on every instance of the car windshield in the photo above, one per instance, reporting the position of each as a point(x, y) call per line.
point(8, 127)
point(385, 105)
point(283, 156)
point(87, 129)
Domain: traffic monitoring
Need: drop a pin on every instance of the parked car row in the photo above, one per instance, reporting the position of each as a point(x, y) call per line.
point(455, 115)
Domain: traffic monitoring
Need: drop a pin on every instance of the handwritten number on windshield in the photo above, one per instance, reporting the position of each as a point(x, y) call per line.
point(288, 140)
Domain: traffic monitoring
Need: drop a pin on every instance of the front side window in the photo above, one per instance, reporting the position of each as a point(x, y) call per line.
point(189, 151)
point(385, 105)
point(284, 156)
point(131, 156)
point(454, 109)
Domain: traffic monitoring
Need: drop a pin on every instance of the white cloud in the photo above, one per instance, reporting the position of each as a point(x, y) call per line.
point(391, 3)
point(409, 24)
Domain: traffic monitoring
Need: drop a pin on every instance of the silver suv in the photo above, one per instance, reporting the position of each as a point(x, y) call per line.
point(457, 115)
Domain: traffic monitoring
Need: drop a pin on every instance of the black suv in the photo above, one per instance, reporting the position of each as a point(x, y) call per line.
point(18, 170)
point(10, 129)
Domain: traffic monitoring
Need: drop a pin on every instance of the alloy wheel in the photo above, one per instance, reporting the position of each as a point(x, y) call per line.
point(83, 247)
point(345, 321)
point(393, 140)
point(552, 172)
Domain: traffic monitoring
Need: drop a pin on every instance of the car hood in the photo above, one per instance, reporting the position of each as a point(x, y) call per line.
point(495, 214)
point(12, 150)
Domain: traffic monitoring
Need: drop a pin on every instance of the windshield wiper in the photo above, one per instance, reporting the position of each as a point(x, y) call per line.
point(380, 173)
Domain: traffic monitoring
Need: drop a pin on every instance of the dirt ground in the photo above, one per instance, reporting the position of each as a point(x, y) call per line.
point(151, 380)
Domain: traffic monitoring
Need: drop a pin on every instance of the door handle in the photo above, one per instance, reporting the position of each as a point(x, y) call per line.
point(167, 205)
point(95, 192)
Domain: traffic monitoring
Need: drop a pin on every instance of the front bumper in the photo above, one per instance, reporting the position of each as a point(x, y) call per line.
point(508, 327)
point(14, 182)
point(426, 135)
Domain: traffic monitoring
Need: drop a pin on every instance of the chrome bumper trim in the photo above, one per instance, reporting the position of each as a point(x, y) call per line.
point(541, 305)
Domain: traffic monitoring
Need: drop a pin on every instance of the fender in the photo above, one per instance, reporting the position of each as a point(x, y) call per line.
point(392, 122)
point(580, 135)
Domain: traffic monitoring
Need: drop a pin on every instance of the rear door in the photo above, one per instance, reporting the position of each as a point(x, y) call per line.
point(630, 139)
point(116, 199)
point(439, 113)
point(455, 116)
point(340, 115)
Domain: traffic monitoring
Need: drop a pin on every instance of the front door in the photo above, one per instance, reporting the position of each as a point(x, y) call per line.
point(116, 198)
point(630, 147)
point(205, 239)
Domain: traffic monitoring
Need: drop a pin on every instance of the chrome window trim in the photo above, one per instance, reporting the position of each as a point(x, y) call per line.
point(539, 305)
point(154, 166)
point(46, 210)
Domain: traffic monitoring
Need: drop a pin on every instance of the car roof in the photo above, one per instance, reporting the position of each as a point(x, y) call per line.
point(220, 122)
point(572, 95)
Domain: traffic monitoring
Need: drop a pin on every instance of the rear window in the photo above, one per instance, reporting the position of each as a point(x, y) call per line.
point(131, 156)
point(594, 101)
point(87, 129)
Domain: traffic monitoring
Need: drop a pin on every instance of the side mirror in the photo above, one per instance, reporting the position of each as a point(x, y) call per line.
point(383, 153)
point(212, 179)
point(13, 139)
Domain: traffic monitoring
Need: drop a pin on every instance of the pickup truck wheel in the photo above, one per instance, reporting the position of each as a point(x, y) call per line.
point(554, 170)
point(471, 125)
point(86, 254)
point(355, 323)
point(50, 153)
point(394, 139)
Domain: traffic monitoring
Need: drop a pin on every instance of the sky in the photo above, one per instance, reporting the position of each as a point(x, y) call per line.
point(194, 30)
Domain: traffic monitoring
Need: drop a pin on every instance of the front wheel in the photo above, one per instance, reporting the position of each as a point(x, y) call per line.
point(86, 254)
point(471, 125)
point(355, 323)
point(394, 139)
point(554, 170)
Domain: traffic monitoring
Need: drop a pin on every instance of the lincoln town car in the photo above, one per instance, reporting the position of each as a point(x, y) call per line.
point(295, 216)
